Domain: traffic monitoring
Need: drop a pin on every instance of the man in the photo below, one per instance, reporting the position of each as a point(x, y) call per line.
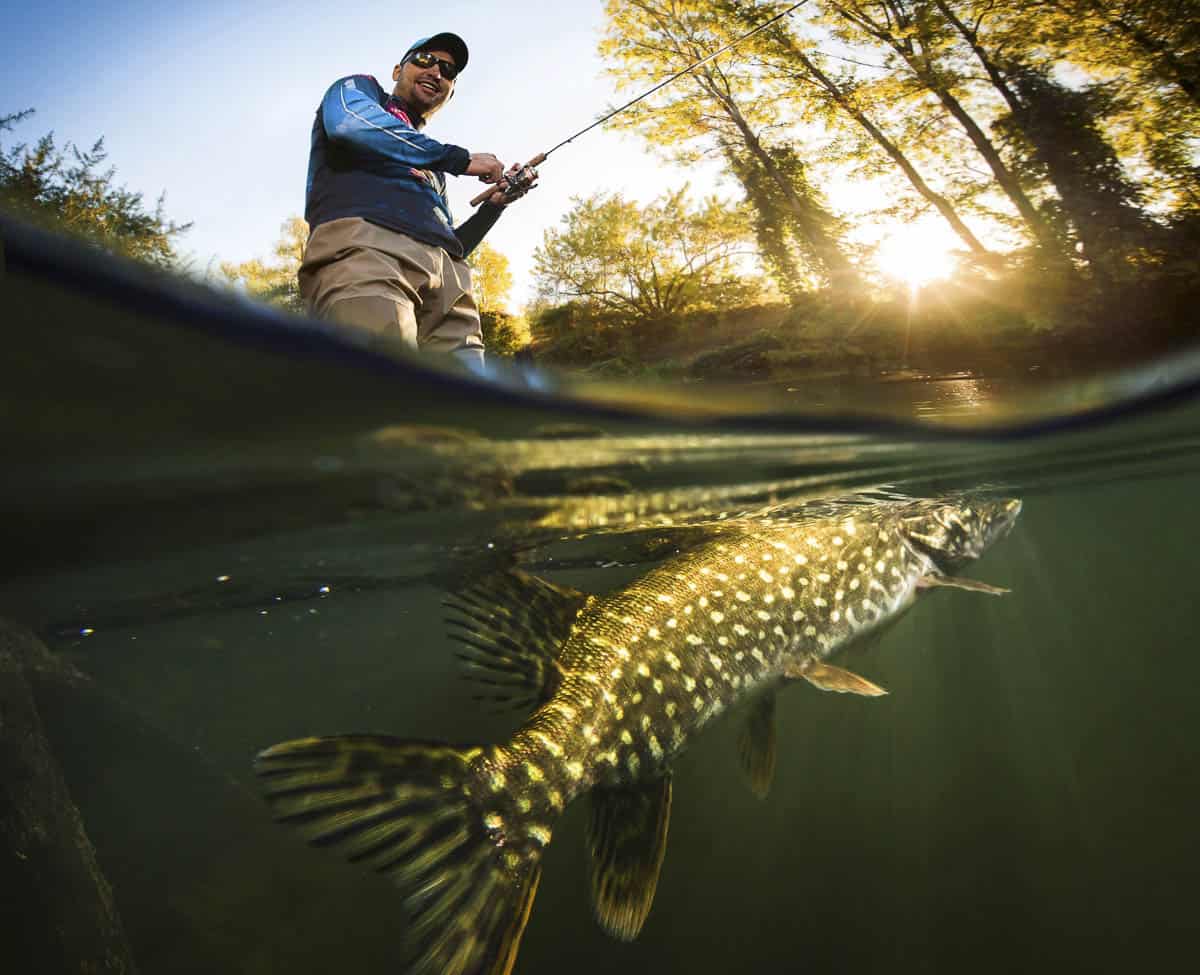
point(383, 253)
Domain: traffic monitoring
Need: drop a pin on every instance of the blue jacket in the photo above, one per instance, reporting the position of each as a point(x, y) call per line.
point(368, 160)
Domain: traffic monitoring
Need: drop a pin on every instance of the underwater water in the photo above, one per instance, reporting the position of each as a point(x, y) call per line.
point(235, 553)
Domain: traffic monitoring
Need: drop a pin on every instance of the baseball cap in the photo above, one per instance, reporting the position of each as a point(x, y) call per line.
point(452, 44)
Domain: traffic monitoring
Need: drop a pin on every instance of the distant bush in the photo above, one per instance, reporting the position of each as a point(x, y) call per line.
point(504, 334)
point(65, 190)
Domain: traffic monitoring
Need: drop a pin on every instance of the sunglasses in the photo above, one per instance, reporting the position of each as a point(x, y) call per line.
point(423, 59)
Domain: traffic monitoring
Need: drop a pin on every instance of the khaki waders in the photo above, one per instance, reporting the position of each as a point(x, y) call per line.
point(404, 292)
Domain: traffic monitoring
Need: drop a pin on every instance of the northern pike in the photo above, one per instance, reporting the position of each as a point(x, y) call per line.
point(619, 685)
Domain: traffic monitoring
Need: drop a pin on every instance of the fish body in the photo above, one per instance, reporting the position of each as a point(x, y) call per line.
point(621, 684)
point(647, 668)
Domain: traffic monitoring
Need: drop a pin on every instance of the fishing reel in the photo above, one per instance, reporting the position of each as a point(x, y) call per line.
point(519, 183)
point(514, 184)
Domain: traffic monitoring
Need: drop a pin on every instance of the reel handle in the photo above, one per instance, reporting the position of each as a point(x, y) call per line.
point(502, 183)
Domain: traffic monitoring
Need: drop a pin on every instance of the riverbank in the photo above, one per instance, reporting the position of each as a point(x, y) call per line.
point(935, 333)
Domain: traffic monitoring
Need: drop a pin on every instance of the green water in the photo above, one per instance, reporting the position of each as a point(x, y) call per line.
point(1025, 798)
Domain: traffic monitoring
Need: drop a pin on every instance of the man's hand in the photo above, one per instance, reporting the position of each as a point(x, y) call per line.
point(486, 166)
point(503, 197)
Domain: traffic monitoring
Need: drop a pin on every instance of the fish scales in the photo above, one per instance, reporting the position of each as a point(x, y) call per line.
point(647, 668)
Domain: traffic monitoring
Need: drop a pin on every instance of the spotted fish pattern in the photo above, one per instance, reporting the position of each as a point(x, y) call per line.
point(619, 684)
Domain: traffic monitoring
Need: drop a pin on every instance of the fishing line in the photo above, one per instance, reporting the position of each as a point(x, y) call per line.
point(524, 176)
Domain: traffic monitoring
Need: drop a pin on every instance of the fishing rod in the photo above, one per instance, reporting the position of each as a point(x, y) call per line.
point(523, 178)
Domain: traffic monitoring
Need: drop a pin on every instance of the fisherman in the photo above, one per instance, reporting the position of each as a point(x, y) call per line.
point(383, 253)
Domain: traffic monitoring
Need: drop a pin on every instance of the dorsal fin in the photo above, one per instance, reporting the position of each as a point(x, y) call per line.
point(512, 625)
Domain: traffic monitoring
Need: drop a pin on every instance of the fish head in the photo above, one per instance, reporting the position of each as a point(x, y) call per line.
point(952, 531)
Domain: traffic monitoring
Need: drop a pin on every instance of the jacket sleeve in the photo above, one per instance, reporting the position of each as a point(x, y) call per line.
point(351, 115)
point(473, 229)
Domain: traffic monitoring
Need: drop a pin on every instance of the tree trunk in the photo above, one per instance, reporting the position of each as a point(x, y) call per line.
point(837, 266)
point(993, 71)
point(1005, 178)
point(769, 225)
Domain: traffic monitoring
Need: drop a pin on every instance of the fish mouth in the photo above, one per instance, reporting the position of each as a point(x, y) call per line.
point(1013, 507)
point(1006, 516)
point(998, 520)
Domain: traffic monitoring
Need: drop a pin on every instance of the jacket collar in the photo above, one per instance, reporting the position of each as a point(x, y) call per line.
point(396, 107)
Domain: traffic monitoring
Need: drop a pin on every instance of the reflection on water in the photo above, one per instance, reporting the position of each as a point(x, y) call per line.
point(954, 396)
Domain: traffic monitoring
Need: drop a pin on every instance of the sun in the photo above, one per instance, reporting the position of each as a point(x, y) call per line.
point(917, 253)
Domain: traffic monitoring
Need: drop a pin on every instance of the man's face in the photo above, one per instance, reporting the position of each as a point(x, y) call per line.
point(424, 89)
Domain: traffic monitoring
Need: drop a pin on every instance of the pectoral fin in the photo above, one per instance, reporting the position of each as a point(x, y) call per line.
point(756, 745)
point(830, 678)
point(951, 582)
point(627, 837)
point(511, 626)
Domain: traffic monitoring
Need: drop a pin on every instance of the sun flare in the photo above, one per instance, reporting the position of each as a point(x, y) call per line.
point(917, 254)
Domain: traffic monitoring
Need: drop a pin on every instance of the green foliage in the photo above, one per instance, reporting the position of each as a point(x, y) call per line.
point(577, 333)
point(1057, 140)
point(491, 281)
point(1055, 128)
point(1148, 54)
point(782, 244)
point(642, 267)
point(504, 334)
point(275, 282)
point(66, 190)
point(730, 105)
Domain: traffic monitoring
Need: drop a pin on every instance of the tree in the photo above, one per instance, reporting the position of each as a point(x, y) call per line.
point(1164, 34)
point(923, 44)
point(1056, 127)
point(491, 282)
point(491, 279)
point(64, 189)
point(773, 231)
point(645, 265)
point(275, 282)
point(1147, 54)
point(1056, 133)
point(725, 101)
point(785, 55)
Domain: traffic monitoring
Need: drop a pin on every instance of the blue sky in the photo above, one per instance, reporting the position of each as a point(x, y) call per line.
point(213, 102)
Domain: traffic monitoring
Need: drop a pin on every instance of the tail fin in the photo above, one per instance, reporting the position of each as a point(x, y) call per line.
point(409, 810)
